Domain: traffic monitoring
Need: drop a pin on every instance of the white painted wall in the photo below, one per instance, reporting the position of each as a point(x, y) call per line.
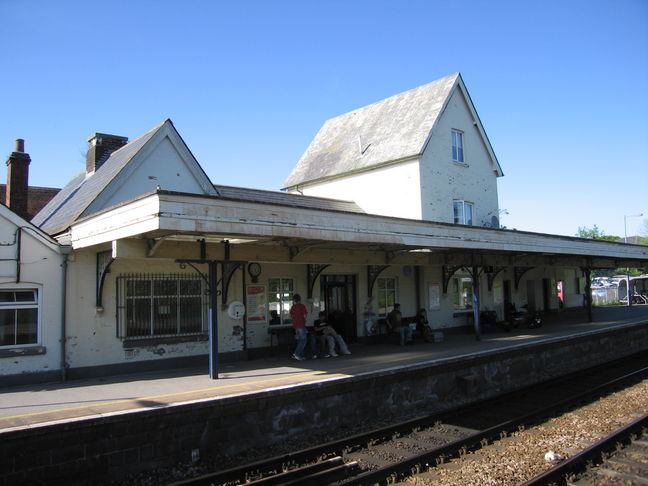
point(390, 191)
point(163, 162)
point(425, 188)
point(92, 335)
point(40, 268)
point(443, 180)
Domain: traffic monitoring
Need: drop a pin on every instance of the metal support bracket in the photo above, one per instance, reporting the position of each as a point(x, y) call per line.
point(228, 272)
point(447, 271)
point(104, 260)
point(313, 272)
point(372, 275)
point(518, 272)
point(491, 273)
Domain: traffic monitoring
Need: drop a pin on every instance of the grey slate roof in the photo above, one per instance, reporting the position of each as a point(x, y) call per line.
point(69, 204)
point(391, 129)
point(284, 199)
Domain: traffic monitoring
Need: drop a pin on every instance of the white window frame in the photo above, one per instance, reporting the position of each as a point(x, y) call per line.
point(462, 301)
point(386, 293)
point(34, 304)
point(459, 211)
point(458, 153)
point(281, 303)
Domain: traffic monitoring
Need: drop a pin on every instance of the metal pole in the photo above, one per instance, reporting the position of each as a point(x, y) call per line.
point(475, 281)
point(213, 322)
point(588, 294)
point(625, 240)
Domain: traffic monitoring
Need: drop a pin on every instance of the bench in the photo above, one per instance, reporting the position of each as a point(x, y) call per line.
point(285, 335)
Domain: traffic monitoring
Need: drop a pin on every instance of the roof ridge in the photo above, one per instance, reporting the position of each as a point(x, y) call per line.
point(411, 90)
point(284, 193)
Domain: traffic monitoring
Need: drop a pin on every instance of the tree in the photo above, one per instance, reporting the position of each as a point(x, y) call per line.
point(595, 233)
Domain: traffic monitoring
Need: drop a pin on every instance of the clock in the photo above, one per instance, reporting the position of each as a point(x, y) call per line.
point(254, 269)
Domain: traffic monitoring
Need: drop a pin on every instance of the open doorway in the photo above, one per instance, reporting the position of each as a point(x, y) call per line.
point(339, 302)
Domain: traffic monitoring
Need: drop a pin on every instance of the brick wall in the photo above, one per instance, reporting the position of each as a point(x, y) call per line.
point(80, 452)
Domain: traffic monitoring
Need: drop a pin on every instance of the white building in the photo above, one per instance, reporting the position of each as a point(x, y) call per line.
point(32, 292)
point(422, 154)
point(159, 252)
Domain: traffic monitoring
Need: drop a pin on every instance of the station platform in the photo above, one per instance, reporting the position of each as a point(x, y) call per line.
point(36, 406)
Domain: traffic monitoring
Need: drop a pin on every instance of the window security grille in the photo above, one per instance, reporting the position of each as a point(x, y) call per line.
point(159, 305)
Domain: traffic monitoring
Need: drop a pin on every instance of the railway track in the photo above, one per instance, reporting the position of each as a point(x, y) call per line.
point(606, 462)
point(392, 453)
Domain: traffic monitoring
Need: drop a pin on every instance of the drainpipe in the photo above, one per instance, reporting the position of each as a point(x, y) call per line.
point(64, 265)
point(18, 247)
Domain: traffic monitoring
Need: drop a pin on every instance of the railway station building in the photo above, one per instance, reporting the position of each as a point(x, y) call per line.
point(143, 262)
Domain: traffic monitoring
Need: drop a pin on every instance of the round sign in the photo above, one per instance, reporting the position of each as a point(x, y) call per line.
point(236, 310)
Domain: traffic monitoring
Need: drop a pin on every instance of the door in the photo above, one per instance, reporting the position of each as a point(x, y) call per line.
point(531, 296)
point(339, 298)
point(546, 294)
point(507, 300)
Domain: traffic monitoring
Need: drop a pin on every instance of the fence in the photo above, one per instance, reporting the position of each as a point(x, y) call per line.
point(605, 296)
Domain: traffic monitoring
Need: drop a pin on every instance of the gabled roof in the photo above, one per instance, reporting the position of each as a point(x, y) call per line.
point(19, 222)
point(37, 197)
point(76, 199)
point(382, 133)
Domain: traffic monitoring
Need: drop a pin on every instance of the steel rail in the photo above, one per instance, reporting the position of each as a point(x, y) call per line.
point(422, 461)
point(593, 454)
point(279, 464)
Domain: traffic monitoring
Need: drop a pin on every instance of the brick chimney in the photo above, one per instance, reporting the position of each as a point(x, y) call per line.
point(100, 148)
point(18, 180)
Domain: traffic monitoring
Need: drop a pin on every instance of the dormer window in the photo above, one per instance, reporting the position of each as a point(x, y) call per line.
point(457, 146)
point(463, 212)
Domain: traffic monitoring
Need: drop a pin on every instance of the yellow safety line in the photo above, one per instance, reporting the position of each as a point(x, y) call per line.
point(220, 387)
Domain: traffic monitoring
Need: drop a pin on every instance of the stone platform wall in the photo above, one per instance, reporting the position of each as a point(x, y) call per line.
point(112, 446)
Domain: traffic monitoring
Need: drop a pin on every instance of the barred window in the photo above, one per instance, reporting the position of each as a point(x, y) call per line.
point(18, 317)
point(161, 305)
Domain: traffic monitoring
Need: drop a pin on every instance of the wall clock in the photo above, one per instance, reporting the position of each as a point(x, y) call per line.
point(254, 269)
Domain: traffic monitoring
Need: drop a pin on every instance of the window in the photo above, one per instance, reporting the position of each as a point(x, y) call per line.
point(462, 293)
point(280, 297)
point(386, 294)
point(161, 305)
point(18, 317)
point(463, 212)
point(457, 146)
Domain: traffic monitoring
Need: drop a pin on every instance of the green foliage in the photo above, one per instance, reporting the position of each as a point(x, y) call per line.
point(595, 233)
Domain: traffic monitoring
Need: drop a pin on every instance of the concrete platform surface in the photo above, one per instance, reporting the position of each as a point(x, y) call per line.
point(39, 405)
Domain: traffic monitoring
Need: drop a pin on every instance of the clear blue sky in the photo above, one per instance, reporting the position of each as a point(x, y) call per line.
point(561, 87)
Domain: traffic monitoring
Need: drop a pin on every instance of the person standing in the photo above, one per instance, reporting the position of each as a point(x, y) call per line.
point(298, 313)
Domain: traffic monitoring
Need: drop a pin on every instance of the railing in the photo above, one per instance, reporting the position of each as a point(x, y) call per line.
point(605, 296)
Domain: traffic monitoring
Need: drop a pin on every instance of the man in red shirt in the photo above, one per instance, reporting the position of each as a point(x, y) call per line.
point(298, 313)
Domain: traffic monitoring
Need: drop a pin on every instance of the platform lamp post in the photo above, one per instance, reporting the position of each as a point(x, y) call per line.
point(625, 240)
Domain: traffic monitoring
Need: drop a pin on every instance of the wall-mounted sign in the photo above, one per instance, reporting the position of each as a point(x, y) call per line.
point(434, 296)
point(255, 296)
point(236, 310)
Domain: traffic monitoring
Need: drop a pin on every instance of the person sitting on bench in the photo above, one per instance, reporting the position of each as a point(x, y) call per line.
point(395, 321)
point(327, 334)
